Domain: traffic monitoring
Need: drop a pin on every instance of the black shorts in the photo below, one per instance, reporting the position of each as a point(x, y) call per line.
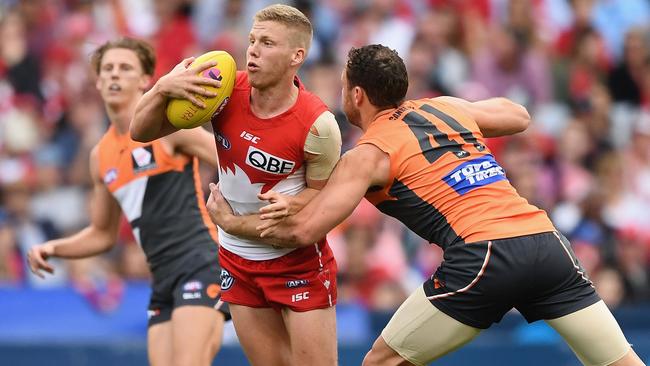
point(539, 275)
point(192, 286)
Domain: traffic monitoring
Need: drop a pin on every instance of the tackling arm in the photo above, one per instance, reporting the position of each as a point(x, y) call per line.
point(322, 150)
point(363, 167)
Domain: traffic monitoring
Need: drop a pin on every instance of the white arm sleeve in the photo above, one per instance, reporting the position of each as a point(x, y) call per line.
point(322, 147)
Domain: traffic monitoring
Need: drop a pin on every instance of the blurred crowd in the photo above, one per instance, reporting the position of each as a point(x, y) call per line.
point(581, 67)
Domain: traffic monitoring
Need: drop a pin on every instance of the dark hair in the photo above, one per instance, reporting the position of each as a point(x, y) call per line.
point(380, 72)
point(145, 53)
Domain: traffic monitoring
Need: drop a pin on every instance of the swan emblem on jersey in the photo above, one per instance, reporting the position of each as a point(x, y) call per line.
point(226, 280)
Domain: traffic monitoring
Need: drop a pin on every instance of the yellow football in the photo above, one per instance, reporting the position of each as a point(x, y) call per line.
point(183, 114)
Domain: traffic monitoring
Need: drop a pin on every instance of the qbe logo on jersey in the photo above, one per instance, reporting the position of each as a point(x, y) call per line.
point(475, 173)
point(266, 162)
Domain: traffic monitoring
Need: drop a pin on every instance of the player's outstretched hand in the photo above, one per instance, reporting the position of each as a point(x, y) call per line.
point(37, 259)
point(218, 207)
point(278, 208)
point(184, 83)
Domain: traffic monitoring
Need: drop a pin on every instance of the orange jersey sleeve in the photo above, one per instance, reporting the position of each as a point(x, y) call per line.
point(445, 185)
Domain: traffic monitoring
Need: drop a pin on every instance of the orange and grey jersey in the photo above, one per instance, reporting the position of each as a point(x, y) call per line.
point(160, 195)
point(444, 184)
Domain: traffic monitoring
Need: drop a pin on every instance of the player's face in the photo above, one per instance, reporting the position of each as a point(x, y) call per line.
point(121, 79)
point(347, 101)
point(269, 54)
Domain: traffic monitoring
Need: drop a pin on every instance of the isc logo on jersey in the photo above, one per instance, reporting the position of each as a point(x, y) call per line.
point(475, 173)
point(266, 162)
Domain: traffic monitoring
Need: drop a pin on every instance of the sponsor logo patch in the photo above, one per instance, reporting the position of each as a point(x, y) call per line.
point(269, 163)
point(191, 295)
point(222, 141)
point(249, 137)
point(143, 159)
point(297, 283)
point(300, 296)
point(474, 174)
point(192, 286)
point(152, 313)
point(220, 108)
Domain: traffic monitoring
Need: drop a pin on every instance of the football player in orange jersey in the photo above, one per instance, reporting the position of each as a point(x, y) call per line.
point(157, 187)
point(425, 162)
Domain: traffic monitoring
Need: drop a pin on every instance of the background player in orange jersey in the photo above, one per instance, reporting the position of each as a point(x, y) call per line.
point(273, 134)
point(425, 162)
point(156, 185)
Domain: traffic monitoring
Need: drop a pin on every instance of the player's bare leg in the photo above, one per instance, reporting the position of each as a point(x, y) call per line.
point(382, 354)
point(313, 336)
point(630, 359)
point(196, 335)
point(159, 344)
point(262, 335)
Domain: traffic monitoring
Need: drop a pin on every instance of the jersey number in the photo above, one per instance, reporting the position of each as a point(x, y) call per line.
point(424, 130)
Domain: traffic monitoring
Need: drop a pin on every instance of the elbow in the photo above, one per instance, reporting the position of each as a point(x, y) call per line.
point(302, 241)
point(521, 119)
point(136, 133)
point(107, 248)
point(524, 120)
point(302, 237)
point(108, 243)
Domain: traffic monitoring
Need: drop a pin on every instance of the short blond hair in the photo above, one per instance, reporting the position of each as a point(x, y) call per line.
point(292, 18)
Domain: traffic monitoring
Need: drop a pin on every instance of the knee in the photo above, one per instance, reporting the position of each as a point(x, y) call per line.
point(187, 359)
point(372, 358)
point(382, 355)
point(367, 360)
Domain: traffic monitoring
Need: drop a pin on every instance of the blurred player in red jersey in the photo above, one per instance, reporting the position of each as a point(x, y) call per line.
point(157, 187)
point(425, 162)
point(273, 134)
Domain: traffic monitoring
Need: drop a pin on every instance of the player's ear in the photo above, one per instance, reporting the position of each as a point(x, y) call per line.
point(359, 95)
point(298, 57)
point(145, 81)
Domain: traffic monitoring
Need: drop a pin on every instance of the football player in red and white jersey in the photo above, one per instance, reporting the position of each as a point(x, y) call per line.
point(273, 134)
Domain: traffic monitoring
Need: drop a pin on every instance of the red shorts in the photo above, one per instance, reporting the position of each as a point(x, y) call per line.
point(302, 280)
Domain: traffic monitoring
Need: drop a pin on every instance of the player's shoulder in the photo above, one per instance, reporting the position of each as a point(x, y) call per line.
point(445, 103)
point(310, 105)
point(311, 98)
point(94, 152)
point(107, 142)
